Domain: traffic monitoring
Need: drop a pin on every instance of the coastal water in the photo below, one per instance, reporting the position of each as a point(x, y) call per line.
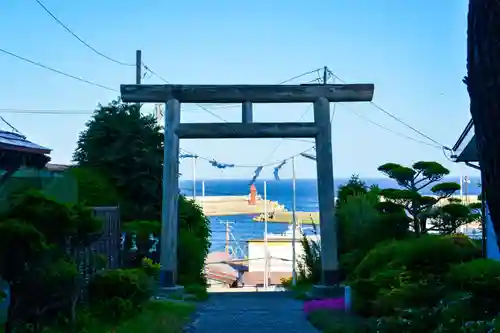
point(243, 227)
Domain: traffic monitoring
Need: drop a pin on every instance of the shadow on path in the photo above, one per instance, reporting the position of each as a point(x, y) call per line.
point(250, 312)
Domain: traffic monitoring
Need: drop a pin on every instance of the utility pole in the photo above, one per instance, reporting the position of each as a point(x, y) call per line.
point(266, 246)
point(203, 196)
point(325, 75)
point(138, 69)
point(294, 224)
point(138, 66)
point(194, 176)
point(228, 234)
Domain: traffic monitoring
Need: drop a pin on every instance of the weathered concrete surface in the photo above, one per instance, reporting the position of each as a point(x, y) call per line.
point(258, 312)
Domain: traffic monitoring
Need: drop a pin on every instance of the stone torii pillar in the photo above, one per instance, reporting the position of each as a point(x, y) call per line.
point(319, 94)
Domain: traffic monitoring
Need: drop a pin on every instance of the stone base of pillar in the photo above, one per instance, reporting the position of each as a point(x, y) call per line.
point(167, 292)
point(167, 286)
point(330, 286)
point(167, 279)
point(330, 277)
point(320, 291)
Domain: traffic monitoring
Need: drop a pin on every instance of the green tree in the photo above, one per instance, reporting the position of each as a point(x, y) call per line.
point(412, 180)
point(354, 186)
point(448, 218)
point(94, 189)
point(126, 147)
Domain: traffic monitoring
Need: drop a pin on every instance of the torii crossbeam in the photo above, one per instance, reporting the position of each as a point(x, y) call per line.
point(319, 94)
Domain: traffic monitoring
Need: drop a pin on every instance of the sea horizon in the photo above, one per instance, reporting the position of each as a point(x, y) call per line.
point(243, 226)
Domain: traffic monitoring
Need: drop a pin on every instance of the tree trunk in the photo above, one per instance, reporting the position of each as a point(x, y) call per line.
point(483, 84)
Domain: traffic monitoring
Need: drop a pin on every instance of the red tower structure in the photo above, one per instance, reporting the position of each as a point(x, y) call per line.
point(253, 195)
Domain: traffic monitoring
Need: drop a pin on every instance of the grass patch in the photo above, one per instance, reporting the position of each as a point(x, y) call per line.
point(191, 293)
point(328, 321)
point(157, 316)
point(300, 290)
point(198, 292)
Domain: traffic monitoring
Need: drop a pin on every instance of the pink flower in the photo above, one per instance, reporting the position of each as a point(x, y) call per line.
point(324, 304)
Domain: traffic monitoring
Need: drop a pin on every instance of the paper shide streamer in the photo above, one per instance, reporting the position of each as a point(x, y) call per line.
point(188, 156)
point(218, 165)
point(308, 156)
point(277, 170)
point(256, 174)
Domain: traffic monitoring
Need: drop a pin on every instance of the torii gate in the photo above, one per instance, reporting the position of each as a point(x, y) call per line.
point(319, 94)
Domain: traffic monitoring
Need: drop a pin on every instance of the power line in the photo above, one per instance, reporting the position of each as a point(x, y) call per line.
point(80, 39)
point(147, 68)
point(388, 129)
point(198, 105)
point(281, 142)
point(300, 76)
point(11, 126)
point(75, 112)
point(319, 79)
point(57, 71)
point(399, 120)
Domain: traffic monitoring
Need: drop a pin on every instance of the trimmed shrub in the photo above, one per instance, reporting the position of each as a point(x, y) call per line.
point(404, 274)
point(120, 292)
point(481, 280)
point(421, 256)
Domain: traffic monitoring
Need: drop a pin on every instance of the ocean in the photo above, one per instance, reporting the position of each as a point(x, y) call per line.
point(243, 227)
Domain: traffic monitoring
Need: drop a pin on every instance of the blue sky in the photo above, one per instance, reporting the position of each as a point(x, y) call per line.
point(413, 51)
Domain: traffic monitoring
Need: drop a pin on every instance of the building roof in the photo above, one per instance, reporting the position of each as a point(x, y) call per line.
point(18, 142)
point(465, 148)
point(18, 151)
point(56, 167)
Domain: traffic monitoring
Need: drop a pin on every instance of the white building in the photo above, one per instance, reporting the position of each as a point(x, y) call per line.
point(279, 257)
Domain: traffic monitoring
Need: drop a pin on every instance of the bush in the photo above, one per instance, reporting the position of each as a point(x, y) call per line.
point(151, 268)
point(363, 222)
point(194, 242)
point(38, 237)
point(340, 322)
point(198, 291)
point(405, 274)
point(192, 249)
point(481, 280)
point(421, 256)
point(120, 291)
point(309, 264)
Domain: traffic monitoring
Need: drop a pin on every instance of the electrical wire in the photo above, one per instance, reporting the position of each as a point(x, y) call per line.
point(399, 120)
point(75, 112)
point(198, 105)
point(11, 126)
point(80, 39)
point(388, 129)
point(281, 142)
point(204, 108)
point(38, 64)
point(319, 79)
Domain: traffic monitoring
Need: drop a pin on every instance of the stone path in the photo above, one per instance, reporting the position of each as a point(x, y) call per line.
point(249, 312)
